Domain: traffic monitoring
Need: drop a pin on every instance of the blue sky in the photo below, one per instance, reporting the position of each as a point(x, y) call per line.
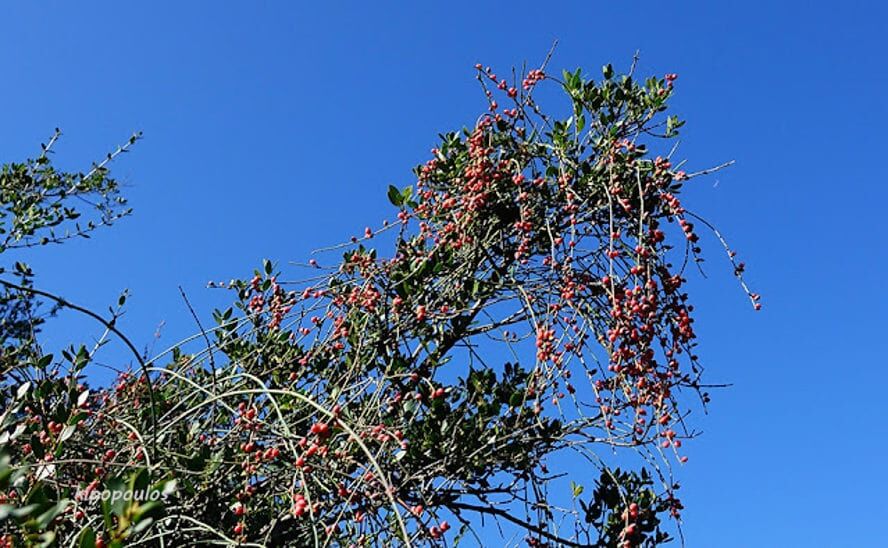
point(273, 128)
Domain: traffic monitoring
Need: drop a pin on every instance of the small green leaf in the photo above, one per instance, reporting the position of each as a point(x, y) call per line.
point(24, 511)
point(67, 432)
point(395, 196)
point(117, 503)
point(410, 406)
point(577, 490)
point(142, 523)
point(147, 511)
point(87, 538)
point(78, 417)
point(139, 481)
point(44, 519)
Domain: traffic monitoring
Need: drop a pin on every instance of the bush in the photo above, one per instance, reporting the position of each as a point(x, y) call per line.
point(533, 305)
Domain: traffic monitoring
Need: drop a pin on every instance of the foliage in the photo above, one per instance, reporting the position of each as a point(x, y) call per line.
point(533, 306)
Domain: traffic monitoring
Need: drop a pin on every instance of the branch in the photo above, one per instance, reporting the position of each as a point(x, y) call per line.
point(109, 325)
point(507, 516)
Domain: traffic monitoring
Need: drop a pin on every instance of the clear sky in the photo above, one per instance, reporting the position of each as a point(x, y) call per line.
point(273, 128)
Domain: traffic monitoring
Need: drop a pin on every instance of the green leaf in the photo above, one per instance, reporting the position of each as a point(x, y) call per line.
point(410, 406)
point(78, 417)
point(117, 488)
point(672, 124)
point(87, 538)
point(24, 511)
point(395, 196)
point(139, 481)
point(67, 432)
point(82, 397)
point(575, 489)
point(46, 540)
point(5, 474)
point(44, 519)
point(147, 511)
point(142, 524)
point(214, 463)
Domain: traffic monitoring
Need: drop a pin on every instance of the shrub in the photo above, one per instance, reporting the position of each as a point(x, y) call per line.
point(533, 305)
